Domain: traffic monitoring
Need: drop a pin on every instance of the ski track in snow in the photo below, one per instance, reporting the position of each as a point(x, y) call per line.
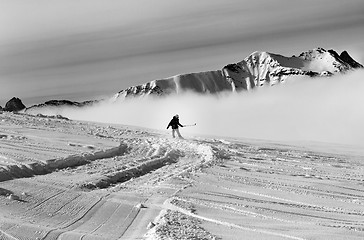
point(78, 180)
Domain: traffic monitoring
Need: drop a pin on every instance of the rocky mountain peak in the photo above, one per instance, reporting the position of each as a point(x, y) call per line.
point(256, 70)
point(348, 59)
point(14, 105)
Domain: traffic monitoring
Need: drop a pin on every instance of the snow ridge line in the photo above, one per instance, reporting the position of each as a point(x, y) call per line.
point(151, 234)
point(161, 153)
point(29, 170)
point(133, 172)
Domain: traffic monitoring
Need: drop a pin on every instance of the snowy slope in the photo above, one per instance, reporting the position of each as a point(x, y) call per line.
point(210, 82)
point(65, 179)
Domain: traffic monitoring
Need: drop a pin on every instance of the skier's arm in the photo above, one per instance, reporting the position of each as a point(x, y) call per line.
point(180, 125)
point(169, 124)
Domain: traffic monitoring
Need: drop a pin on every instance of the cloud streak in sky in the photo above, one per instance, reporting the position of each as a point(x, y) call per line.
point(87, 48)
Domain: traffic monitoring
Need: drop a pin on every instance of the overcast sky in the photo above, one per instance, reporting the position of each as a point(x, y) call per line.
point(86, 49)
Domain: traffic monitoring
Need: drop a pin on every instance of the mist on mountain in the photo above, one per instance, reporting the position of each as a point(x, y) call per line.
point(306, 109)
point(256, 70)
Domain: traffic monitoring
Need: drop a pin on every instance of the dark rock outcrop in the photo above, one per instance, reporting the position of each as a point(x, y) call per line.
point(14, 105)
point(348, 59)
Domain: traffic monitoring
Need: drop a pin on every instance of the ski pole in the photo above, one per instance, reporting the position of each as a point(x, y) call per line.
point(189, 125)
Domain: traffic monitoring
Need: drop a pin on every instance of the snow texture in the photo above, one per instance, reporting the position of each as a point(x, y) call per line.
point(65, 179)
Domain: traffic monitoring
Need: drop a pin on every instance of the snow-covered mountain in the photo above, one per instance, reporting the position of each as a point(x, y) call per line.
point(257, 70)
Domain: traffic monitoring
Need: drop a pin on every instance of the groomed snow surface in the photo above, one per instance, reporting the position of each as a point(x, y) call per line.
point(63, 179)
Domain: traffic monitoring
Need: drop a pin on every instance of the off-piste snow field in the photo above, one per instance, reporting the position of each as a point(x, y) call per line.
point(65, 179)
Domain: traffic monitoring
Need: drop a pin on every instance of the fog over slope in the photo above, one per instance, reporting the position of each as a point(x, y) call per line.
point(312, 109)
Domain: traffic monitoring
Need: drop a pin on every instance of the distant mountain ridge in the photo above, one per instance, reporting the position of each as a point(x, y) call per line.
point(256, 70)
point(57, 103)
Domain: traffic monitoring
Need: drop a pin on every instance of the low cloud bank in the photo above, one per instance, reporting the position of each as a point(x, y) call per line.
point(309, 109)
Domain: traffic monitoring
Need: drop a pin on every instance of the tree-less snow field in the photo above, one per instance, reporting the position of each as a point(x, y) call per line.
point(65, 179)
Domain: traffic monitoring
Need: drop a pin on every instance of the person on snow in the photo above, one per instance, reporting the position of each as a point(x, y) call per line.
point(174, 123)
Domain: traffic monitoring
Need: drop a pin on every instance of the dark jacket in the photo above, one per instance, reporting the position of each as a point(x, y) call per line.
point(174, 123)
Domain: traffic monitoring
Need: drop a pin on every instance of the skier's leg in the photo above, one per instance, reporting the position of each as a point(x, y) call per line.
point(179, 135)
point(173, 132)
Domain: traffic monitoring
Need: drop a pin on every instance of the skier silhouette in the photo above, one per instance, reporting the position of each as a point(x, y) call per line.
point(174, 123)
